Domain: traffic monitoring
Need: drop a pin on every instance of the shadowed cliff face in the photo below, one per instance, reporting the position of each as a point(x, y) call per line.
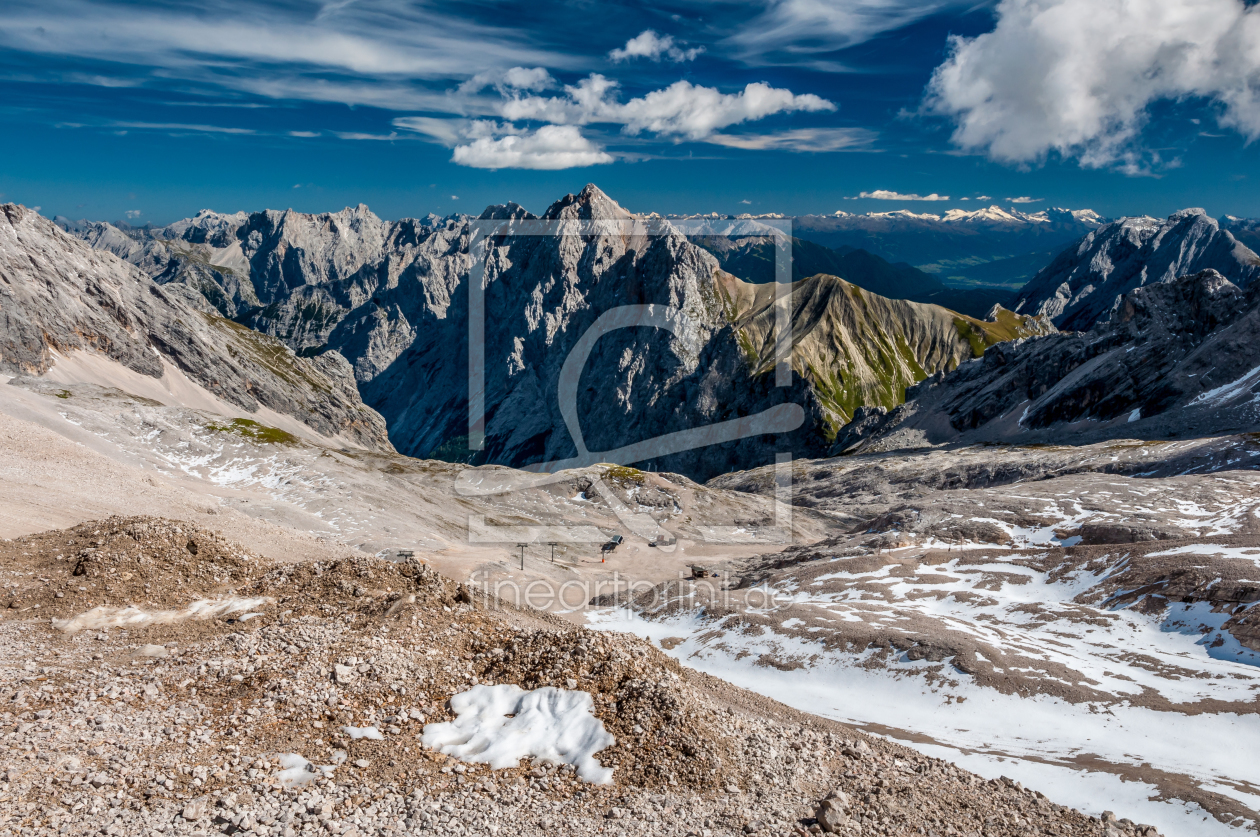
point(393, 298)
point(58, 296)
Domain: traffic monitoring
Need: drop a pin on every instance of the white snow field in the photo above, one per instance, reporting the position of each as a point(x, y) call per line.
point(1152, 699)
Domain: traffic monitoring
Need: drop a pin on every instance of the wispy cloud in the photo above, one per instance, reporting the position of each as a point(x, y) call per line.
point(886, 195)
point(800, 139)
point(258, 47)
point(798, 31)
point(1024, 199)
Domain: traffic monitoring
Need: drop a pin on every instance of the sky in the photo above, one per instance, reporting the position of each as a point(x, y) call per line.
point(148, 110)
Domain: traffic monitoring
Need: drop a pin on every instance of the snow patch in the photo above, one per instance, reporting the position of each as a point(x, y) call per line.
point(500, 725)
point(298, 771)
point(371, 733)
point(133, 617)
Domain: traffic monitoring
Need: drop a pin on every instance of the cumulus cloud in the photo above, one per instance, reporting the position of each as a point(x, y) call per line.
point(886, 195)
point(682, 110)
point(983, 198)
point(549, 148)
point(800, 139)
point(1077, 77)
point(648, 44)
point(1024, 200)
point(133, 213)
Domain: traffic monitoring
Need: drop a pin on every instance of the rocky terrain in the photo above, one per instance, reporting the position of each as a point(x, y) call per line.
point(1086, 282)
point(1175, 360)
point(885, 573)
point(59, 297)
point(160, 679)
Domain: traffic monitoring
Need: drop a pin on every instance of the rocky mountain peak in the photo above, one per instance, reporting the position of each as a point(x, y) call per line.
point(591, 204)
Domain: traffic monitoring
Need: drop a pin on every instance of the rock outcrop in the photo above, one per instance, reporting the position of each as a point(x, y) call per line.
point(58, 296)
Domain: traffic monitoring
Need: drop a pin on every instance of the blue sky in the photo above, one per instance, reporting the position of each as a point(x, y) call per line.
point(150, 111)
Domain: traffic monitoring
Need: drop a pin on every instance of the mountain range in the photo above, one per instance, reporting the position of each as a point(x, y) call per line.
point(1008, 242)
point(1085, 283)
point(392, 298)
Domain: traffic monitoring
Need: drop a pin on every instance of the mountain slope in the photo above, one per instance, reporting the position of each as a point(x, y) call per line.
point(858, 349)
point(1086, 282)
point(58, 296)
point(1176, 360)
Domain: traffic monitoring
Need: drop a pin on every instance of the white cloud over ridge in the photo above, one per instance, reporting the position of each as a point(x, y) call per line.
point(683, 109)
point(1077, 77)
point(549, 148)
point(887, 195)
point(1024, 200)
point(648, 44)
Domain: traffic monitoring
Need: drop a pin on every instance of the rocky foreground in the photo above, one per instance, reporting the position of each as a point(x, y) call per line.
point(161, 680)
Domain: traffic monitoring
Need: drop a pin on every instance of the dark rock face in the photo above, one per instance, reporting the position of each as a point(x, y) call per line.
point(1176, 359)
point(1086, 282)
point(58, 295)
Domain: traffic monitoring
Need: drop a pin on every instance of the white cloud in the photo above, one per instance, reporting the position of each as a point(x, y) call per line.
point(886, 195)
point(800, 139)
point(648, 44)
point(1077, 77)
point(304, 134)
point(549, 148)
point(683, 109)
point(133, 213)
point(747, 202)
point(983, 198)
point(454, 197)
point(1024, 200)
